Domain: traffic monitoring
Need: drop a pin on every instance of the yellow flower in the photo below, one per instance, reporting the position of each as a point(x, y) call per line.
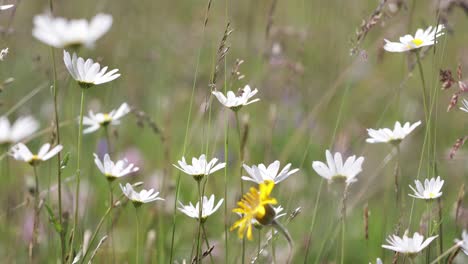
point(256, 204)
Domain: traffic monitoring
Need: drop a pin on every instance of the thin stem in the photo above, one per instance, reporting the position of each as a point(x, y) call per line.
point(101, 222)
point(78, 173)
point(200, 211)
point(446, 253)
point(137, 258)
point(397, 174)
point(109, 224)
point(259, 242)
point(317, 198)
point(207, 243)
point(273, 251)
point(421, 73)
point(108, 141)
point(441, 233)
point(343, 226)
point(36, 215)
point(226, 213)
point(428, 232)
point(241, 161)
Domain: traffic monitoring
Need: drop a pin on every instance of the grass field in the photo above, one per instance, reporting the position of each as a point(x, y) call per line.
point(323, 78)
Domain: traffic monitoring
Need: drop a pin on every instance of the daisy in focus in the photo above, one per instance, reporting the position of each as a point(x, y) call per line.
point(59, 32)
point(113, 170)
point(395, 136)
point(235, 102)
point(23, 127)
point(256, 204)
point(88, 73)
point(141, 197)
point(95, 121)
point(421, 39)
point(208, 208)
point(430, 190)
point(408, 245)
point(463, 242)
point(200, 167)
point(465, 106)
point(261, 173)
point(22, 153)
point(335, 170)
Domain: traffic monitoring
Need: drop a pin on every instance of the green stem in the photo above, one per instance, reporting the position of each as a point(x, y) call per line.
point(423, 82)
point(343, 226)
point(78, 174)
point(273, 251)
point(109, 224)
point(101, 222)
point(137, 258)
point(241, 160)
point(197, 254)
point(446, 253)
point(259, 242)
point(317, 199)
point(108, 141)
point(226, 213)
point(207, 242)
point(36, 215)
point(441, 240)
point(428, 232)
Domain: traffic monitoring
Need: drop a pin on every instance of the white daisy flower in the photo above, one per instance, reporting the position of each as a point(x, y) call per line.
point(200, 167)
point(208, 208)
point(386, 135)
point(59, 32)
point(22, 153)
point(88, 73)
point(463, 242)
point(21, 128)
point(261, 173)
point(113, 170)
point(3, 53)
point(408, 245)
point(422, 38)
point(430, 190)
point(465, 105)
point(5, 7)
point(236, 102)
point(336, 170)
point(95, 121)
point(139, 198)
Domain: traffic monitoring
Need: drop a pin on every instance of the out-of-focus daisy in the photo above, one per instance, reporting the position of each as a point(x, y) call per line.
point(465, 105)
point(113, 170)
point(463, 242)
point(256, 204)
point(200, 167)
point(235, 102)
point(21, 128)
point(141, 197)
point(61, 33)
point(95, 121)
point(22, 153)
point(430, 190)
point(422, 38)
point(386, 135)
point(3, 53)
point(408, 245)
point(336, 170)
point(88, 73)
point(261, 173)
point(5, 7)
point(208, 208)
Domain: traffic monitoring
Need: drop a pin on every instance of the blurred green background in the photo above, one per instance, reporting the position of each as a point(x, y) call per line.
point(314, 96)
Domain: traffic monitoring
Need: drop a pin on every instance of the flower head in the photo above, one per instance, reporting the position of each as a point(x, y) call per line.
point(430, 190)
point(208, 208)
point(465, 106)
point(22, 153)
point(95, 121)
point(336, 170)
point(463, 242)
point(5, 7)
point(200, 167)
point(236, 102)
point(3, 53)
point(422, 38)
point(21, 128)
point(88, 73)
point(139, 198)
point(386, 135)
point(408, 245)
point(262, 173)
point(256, 204)
point(114, 170)
point(59, 32)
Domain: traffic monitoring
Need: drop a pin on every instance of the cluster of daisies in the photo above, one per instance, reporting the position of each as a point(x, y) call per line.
point(256, 206)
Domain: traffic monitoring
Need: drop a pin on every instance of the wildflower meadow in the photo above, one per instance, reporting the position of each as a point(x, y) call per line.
point(250, 131)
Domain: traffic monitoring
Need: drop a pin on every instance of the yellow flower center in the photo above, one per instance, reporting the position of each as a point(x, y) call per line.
point(431, 195)
point(107, 119)
point(417, 42)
